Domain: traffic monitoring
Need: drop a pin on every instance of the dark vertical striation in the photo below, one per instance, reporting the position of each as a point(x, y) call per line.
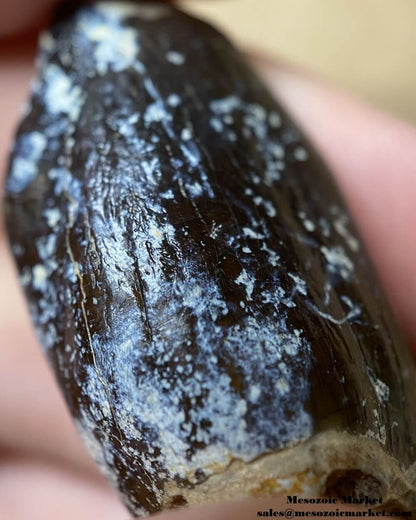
point(191, 270)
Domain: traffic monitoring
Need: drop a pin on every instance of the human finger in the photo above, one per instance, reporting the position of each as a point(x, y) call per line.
point(20, 15)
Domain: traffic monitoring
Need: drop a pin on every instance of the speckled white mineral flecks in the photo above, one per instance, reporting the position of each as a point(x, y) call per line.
point(116, 47)
point(176, 58)
point(174, 270)
point(25, 166)
point(380, 388)
point(61, 94)
point(338, 262)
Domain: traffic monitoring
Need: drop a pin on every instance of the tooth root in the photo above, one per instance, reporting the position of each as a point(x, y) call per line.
point(193, 275)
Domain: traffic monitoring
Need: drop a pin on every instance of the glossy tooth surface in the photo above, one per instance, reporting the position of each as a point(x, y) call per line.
point(194, 277)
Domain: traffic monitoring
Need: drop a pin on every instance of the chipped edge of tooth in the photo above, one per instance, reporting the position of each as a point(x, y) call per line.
point(304, 467)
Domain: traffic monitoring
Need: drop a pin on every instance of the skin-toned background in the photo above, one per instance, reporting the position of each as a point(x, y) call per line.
point(45, 472)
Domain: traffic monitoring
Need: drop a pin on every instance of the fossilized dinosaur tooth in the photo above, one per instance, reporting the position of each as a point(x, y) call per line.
point(193, 275)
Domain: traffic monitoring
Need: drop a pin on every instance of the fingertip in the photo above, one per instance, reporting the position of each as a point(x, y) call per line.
point(20, 16)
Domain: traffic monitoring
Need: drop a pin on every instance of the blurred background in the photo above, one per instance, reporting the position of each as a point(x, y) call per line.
point(365, 46)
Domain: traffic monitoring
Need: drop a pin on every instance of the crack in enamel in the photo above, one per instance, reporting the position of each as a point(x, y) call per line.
point(169, 285)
